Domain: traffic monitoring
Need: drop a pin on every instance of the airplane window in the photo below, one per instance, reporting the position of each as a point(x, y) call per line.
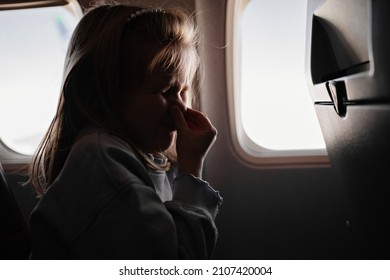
point(275, 108)
point(33, 44)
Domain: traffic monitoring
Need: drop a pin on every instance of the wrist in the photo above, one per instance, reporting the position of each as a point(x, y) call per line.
point(193, 168)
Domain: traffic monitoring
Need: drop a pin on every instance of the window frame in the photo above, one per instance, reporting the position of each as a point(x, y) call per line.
point(8, 156)
point(247, 149)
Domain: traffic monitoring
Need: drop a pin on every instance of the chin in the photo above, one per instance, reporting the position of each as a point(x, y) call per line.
point(164, 144)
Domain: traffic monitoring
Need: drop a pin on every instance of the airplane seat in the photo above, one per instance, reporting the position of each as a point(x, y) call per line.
point(14, 235)
point(349, 67)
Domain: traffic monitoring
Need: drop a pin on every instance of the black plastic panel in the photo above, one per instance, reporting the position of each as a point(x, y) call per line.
point(349, 64)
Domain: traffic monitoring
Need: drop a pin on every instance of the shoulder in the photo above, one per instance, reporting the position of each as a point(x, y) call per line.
point(101, 145)
point(110, 152)
point(97, 140)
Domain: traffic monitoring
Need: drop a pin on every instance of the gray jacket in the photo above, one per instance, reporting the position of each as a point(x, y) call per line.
point(104, 204)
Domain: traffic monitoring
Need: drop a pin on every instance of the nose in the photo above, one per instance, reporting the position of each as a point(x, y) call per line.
point(175, 98)
point(179, 103)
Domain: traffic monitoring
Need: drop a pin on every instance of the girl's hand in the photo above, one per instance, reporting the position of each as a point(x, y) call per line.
point(195, 136)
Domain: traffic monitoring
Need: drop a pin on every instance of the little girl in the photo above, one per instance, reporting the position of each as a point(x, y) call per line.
point(119, 169)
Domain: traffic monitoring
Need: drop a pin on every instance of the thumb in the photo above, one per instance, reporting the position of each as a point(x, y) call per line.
point(178, 118)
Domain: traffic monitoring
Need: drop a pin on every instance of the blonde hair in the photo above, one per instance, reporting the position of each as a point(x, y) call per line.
point(92, 78)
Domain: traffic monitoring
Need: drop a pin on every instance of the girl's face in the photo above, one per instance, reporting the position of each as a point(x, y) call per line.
point(145, 111)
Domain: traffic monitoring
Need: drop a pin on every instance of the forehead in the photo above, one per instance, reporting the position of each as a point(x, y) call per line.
point(138, 58)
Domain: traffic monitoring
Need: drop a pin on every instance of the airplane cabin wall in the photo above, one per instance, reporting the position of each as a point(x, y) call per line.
point(296, 212)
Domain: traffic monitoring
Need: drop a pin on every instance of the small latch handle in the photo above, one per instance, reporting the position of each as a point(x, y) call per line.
point(338, 95)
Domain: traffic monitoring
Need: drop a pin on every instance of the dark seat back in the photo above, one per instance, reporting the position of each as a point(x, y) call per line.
point(14, 236)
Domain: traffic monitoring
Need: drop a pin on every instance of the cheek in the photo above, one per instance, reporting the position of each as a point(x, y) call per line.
point(144, 110)
point(130, 112)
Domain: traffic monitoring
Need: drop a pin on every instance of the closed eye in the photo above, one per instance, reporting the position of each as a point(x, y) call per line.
point(165, 92)
point(175, 91)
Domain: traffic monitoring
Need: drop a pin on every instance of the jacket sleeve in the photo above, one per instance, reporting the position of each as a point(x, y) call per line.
point(194, 207)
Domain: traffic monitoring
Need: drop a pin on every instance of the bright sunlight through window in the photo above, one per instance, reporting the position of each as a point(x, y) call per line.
point(33, 44)
point(277, 110)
